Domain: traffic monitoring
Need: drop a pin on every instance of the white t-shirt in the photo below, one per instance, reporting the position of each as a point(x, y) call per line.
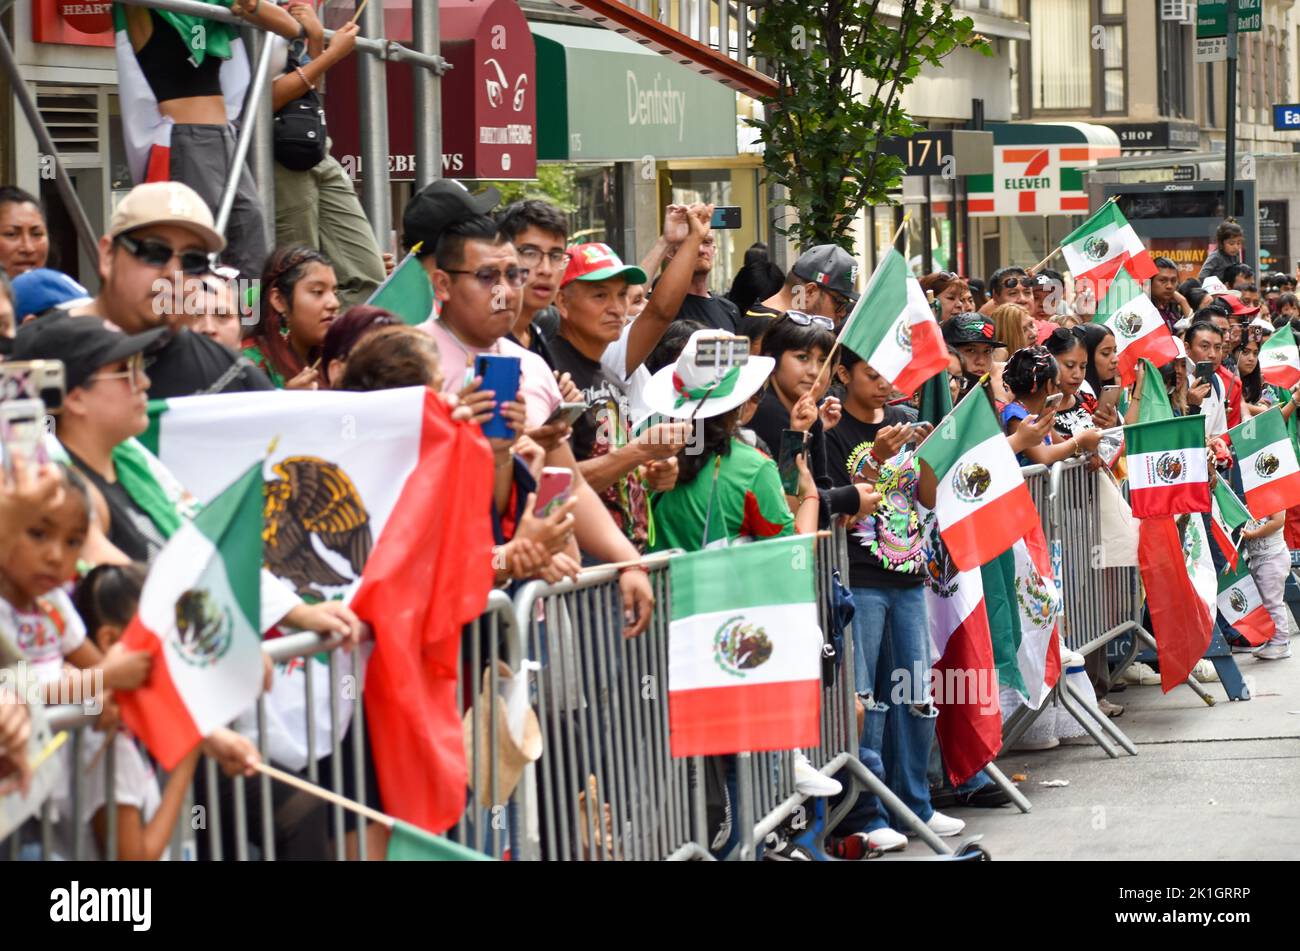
point(46, 636)
point(1270, 545)
point(614, 360)
point(1212, 408)
point(135, 784)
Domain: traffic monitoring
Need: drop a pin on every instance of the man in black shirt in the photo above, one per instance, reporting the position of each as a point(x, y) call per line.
point(159, 243)
point(699, 304)
point(823, 282)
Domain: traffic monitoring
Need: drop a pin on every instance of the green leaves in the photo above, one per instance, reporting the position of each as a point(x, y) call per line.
point(841, 68)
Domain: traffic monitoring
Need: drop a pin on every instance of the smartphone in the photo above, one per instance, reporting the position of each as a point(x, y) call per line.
point(1205, 371)
point(553, 490)
point(501, 376)
point(792, 443)
point(725, 217)
point(1052, 402)
point(33, 380)
point(22, 431)
point(567, 413)
point(1110, 396)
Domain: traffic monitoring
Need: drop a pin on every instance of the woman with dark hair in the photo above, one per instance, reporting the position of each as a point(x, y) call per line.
point(345, 333)
point(979, 296)
point(1067, 348)
point(951, 291)
point(1256, 398)
point(24, 237)
point(298, 304)
point(1031, 376)
point(1102, 371)
point(757, 280)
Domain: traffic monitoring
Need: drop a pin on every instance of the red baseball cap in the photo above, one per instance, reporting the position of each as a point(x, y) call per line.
point(1236, 306)
point(598, 262)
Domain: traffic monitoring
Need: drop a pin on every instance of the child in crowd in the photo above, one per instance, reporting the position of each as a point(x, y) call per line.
point(1270, 563)
point(1228, 238)
point(146, 815)
point(1030, 375)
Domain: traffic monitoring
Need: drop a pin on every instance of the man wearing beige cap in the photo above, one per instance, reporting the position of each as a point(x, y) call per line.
point(160, 241)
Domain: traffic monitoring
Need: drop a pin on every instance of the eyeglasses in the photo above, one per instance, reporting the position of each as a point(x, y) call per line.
point(133, 373)
point(1009, 283)
point(491, 277)
point(842, 303)
point(808, 320)
point(159, 254)
point(531, 256)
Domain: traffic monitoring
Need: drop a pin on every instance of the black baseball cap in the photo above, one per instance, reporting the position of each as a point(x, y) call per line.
point(970, 328)
point(830, 266)
point(84, 344)
point(439, 204)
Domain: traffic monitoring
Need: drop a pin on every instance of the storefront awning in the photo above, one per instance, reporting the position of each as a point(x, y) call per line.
point(604, 98)
point(1038, 168)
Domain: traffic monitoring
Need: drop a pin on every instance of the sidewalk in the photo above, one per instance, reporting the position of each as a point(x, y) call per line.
point(1219, 782)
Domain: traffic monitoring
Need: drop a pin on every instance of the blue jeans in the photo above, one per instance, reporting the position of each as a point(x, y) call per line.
point(891, 640)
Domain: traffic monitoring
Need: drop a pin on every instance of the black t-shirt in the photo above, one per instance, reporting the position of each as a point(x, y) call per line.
point(597, 390)
point(190, 364)
point(769, 420)
point(757, 319)
point(537, 343)
point(130, 529)
point(716, 313)
point(885, 550)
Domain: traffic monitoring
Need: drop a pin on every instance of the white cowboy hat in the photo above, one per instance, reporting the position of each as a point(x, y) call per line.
point(1216, 288)
point(678, 391)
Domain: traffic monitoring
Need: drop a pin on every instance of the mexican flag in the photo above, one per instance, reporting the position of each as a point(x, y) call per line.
point(893, 328)
point(969, 726)
point(1279, 358)
point(1270, 472)
point(1154, 402)
point(1242, 607)
point(744, 649)
point(1167, 469)
point(1227, 516)
point(1038, 604)
point(380, 499)
point(982, 503)
point(1103, 244)
point(1178, 575)
point(1139, 330)
point(199, 618)
point(407, 291)
point(407, 843)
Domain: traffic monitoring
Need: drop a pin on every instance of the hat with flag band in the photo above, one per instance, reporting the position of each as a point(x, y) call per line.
point(685, 390)
point(598, 262)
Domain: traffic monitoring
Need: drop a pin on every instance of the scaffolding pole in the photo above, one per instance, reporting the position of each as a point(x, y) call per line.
point(428, 98)
point(62, 179)
point(372, 103)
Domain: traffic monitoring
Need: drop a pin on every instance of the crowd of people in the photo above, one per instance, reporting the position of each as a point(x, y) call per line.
point(667, 405)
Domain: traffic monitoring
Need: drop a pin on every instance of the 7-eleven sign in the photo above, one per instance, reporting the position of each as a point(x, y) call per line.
point(1031, 180)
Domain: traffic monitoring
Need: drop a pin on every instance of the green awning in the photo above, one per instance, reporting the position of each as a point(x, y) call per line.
point(604, 98)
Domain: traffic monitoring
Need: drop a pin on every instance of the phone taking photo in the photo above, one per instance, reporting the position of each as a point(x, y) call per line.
point(1053, 402)
point(1205, 371)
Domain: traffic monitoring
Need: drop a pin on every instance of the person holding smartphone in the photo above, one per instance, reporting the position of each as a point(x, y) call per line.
point(1030, 375)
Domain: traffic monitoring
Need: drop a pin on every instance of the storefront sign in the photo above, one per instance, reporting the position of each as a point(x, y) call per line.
point(1038, 169)
point(1188, 253)
point(943, 152)
point(1157, 135)
point(73, 22)
point(489, 114)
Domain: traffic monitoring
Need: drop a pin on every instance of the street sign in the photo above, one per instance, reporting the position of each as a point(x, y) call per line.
point(1212, 17)
point(1286, 116)
point(1213, 49)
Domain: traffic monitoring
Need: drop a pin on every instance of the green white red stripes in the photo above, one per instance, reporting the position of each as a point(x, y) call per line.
point(1103, 244)
point(1242, 607)
point(1279, 358)
point(199, 617)
point(981, 500)
point(1227, 517)
point(1038, 604)
point(893, 328)
point(744, 649)
point(1139, 330)
point(1168, 472)
point(1270, 472)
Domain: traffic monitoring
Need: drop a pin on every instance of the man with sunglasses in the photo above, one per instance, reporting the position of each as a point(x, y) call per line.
point(152, 264)
point(822, 282)
point(1010, 285)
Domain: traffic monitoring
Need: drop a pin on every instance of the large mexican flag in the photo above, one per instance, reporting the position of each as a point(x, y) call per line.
point(893, 328)
point(380, 499)
point(199, 617)
point(1270, 471)
point(981, 501)
point(744, 649)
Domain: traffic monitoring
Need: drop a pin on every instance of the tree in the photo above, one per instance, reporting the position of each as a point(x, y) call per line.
point(841, 67)
point(554, 183)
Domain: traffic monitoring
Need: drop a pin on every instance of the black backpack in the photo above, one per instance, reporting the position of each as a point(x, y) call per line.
point(299, 130)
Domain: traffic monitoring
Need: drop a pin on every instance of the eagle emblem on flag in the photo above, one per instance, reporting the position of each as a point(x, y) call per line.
point(1266, 464)
point(1169, 467)
point(1238, 600)
point(203, 628)
point(314, 499)
point(739, 646)
point(971, 481)
point(1096, 248)
point(1128, 323)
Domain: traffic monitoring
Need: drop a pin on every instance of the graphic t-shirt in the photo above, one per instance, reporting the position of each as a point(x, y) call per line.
point(885, 549)
point(45, 636)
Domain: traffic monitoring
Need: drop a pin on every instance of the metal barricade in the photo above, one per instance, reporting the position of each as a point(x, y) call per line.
point(606, 786)
point(239, 818)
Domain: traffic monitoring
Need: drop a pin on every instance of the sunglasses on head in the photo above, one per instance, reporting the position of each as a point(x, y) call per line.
point(159, 254)
point(808, 320)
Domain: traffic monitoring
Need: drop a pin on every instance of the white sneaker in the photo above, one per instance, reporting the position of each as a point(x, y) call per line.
point(1070, 658)
point(886, 840)
point(1034, 746)
point(808, 781)
point(1141, 674)
point(943, 826)
point(1273, 651)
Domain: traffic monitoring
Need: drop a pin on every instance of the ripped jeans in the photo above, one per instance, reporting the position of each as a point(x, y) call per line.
point(891, 641)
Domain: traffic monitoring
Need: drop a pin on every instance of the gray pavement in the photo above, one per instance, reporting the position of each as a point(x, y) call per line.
point(1219, 782)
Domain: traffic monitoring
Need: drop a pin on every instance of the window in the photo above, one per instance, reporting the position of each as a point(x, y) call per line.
point(1109, 60)
point(1060, 73)
point(1171, 49)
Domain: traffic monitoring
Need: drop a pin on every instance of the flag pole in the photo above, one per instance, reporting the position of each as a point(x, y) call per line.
point(830, 357)
point(1056, 250)
point(330, 797)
